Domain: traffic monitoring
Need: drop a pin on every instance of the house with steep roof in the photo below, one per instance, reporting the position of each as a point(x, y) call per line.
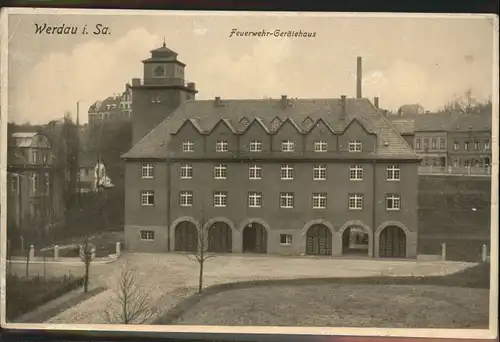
point(279, 176)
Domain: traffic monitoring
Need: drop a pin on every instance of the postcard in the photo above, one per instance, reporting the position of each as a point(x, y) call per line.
point(249, 172)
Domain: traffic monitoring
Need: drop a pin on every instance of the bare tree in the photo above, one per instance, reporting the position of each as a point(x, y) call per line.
point(131, 304)
point(201, 253)
point(87, 255)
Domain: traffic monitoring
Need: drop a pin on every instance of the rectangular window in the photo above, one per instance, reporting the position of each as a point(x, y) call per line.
point(147, 235)
point(34, 183)
point(254, 199)
point(355, 201)
point(319, 172)
point(255, 146)
point(356, 172)
point(434, 144)
point(14, 183)
point(285, 239)
point(487, 144)
point(319, 200)
point(186, 198)
point(442, 144)
point(220, 199)
point(220, 171)
point(355, 146)
point(286, 200)
point(255, 172)
point(287, 171)
point(147, 197)
point(455, 146)
point(476, 145)
point(466, 145)
point(392, 202)
point(221, 146)
point(287, 146)
point(456, 162)
point(320, 146)
point(34, 156)
point(47, 183)
point(426, 144)
point(393, 173)
point(417, 144)
point(186, 171)
point(187, 146)
point(148, 171)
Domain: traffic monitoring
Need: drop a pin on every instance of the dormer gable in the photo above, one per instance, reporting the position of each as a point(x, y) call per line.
point(307, 123)
point(223, 124)
point(189, 124)
point(288, 121)
point(321, 125)
point(256, 122)
point(353, 124)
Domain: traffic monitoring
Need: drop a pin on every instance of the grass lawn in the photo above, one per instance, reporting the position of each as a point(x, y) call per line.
point(459, 300)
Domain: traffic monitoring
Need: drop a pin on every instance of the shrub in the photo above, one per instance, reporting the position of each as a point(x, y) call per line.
point(25, 294)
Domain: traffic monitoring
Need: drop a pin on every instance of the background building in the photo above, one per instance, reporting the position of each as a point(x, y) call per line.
point(116, 107)
point(30, 172)
point(265, 176)
point(448, 139)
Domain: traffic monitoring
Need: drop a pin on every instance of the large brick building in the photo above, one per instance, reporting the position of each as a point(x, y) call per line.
point(286, 176)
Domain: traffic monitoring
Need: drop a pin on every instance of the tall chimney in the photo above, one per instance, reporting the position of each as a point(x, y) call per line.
point(284, 101)
point(343, 105)
point(375, 102)
point(217, 102)
point(359, 79)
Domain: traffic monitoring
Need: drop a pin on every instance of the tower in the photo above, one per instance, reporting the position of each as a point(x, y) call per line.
point(162, 90)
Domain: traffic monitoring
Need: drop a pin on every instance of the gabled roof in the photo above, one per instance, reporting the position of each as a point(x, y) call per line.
point(30, 139)
point(207, 115)
point(404, 127)
point(472, 122)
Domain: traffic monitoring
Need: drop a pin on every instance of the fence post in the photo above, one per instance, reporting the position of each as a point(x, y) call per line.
point(449, 169)
point(468, 169)
point(443, 251)
point(22, 244)
point(488, 169)
point(484, 253)
point(32, 252)
point(118, 248)
point(56, 253)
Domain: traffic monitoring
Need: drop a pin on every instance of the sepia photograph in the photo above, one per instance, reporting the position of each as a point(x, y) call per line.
point(253, 172)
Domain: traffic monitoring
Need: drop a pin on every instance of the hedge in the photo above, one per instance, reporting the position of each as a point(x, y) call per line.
point(25, 294)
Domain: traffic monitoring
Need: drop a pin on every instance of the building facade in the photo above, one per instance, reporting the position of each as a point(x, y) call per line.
point(469, 141)
point(313, 176)
point(116, 107)
point(449, 139)
point(29, 178)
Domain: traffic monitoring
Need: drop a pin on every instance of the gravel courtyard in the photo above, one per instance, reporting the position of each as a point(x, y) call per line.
point(171, 277)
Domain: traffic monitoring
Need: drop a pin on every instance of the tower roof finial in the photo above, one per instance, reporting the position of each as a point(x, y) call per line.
point(164, 45)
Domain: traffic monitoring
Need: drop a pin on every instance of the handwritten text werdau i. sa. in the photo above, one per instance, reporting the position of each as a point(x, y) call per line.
point(64, 29)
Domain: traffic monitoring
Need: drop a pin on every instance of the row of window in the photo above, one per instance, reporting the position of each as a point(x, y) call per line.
point(456, 145)
point(286, 200)
point(149, 235)
point(286, 146)
point(286, 173)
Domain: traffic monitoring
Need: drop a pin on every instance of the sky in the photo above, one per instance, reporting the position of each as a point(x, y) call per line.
point(405, 60)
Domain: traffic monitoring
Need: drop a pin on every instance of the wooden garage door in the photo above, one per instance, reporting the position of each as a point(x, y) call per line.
point(319, 240)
